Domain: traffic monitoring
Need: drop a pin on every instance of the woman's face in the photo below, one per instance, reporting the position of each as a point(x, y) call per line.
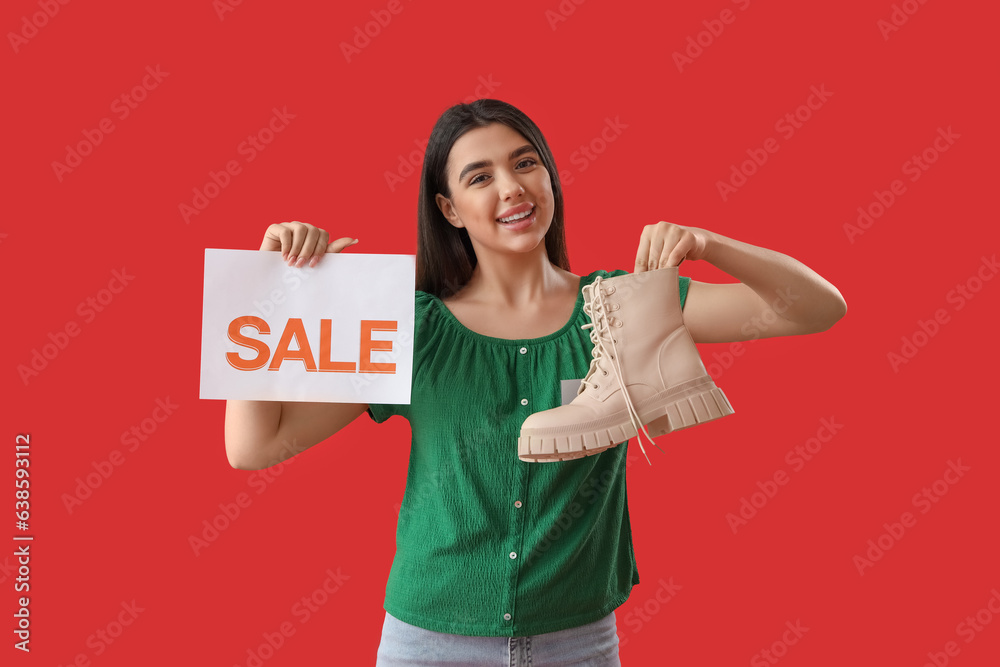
point(500, 192)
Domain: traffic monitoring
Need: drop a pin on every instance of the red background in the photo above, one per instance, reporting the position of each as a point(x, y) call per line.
point(334, 506)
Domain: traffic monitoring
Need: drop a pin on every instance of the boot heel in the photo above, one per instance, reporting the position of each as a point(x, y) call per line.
point(691, 411)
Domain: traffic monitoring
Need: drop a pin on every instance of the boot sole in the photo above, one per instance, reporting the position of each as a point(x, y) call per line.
point(698, 404)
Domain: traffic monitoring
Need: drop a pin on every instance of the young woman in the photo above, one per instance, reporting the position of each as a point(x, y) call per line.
point(498, 559)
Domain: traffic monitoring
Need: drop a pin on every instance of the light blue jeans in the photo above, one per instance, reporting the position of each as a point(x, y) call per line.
point(405, 645)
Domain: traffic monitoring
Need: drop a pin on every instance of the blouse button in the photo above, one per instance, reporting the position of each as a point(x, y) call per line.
point(524, 350)
point(506, 617)
point(513, 555)
point(524, 401)
point(517, 503)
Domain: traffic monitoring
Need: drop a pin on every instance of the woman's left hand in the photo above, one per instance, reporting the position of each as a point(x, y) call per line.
point(665, 244)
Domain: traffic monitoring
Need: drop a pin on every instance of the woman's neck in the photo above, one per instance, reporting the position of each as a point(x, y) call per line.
point(514, 280)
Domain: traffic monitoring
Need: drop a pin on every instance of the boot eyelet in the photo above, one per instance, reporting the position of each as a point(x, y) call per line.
point(611, 289)
point(605, 372)
point(618, 323)
point(615, 341)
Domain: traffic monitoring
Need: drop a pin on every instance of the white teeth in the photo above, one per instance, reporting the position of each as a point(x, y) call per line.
point(518, 216)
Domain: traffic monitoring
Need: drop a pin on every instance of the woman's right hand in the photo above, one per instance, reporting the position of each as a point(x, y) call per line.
point(300, 242)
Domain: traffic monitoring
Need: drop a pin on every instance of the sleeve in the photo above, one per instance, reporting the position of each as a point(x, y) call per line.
point(684, 282)
point(379, 412)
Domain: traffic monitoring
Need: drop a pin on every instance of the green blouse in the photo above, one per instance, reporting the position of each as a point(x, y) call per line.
point(487, 544)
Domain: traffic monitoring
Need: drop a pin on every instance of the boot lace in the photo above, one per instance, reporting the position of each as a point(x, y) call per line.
point(606, 352)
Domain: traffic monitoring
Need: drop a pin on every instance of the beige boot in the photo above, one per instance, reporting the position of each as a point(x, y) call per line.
point(646, 370)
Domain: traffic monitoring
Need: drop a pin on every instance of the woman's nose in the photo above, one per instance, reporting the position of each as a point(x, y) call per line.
point(509, 187)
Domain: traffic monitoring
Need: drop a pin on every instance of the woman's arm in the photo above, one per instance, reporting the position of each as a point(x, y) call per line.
point(260, 434)
point(776, 296)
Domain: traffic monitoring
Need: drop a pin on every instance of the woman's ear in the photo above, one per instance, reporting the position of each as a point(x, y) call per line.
point(448, 210)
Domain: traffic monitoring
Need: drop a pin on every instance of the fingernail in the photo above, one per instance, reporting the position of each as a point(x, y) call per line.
point(312, 262)
point(291, 260)
point(354, 241)
point(301, 261)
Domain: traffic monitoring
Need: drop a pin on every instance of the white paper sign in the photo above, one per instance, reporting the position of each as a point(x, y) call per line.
point(339, 332)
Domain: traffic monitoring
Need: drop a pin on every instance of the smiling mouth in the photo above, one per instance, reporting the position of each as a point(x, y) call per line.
point(516, 217)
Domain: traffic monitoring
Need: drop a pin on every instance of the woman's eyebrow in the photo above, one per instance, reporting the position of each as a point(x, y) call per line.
point(517, 152)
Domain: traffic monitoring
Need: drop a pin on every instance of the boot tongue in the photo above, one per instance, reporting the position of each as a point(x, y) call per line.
point(595, 333)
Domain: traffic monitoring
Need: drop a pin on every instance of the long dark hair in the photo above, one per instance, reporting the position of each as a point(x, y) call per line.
point(445, 256)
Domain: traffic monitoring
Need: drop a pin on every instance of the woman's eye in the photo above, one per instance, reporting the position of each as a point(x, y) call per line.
point(478, 178)
point(526, 162)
